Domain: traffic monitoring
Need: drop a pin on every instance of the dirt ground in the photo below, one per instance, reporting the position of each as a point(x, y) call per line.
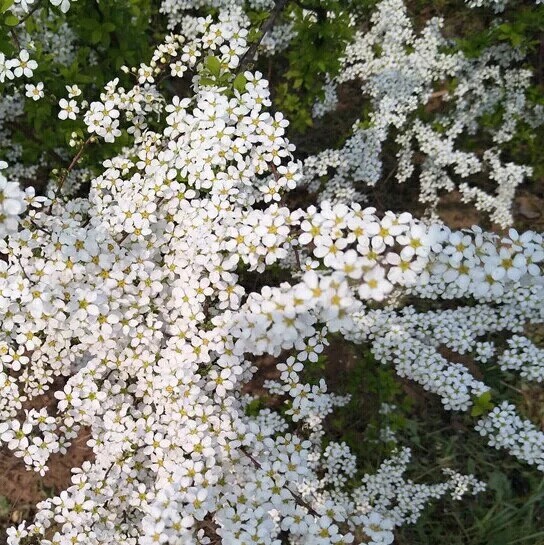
point(22, 489)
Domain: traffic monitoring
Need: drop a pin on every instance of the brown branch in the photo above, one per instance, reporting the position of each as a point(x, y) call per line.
point(35, 225)
point(15, 39)
point(297, 257)
point(30, 13)
point(72, 165)
point(266, 27)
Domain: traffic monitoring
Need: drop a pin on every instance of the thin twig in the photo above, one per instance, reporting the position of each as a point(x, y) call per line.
point(34, 224)
point(297, 258)
point(15, 39)
point(22, 268)
point(72, 165)
point(29, 14)
point(266, 27)
point(296, 496)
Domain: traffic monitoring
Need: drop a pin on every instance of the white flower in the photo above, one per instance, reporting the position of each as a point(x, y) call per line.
point(375, 285)
point(73, 91)
point(177, 69)
point(68, 109)
point(6, 66)
point(23, 65)
point(34, 91)
point(63, 4)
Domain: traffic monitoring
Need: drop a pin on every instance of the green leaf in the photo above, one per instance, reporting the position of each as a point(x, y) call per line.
point(11, 20)
point(482, 404)
point(5, 5)
point(30, 25)
point(5, 506)
point(106, 40)
point(240, 82)
point(206, 81)
point(213, 64)
point(499, 482)
point(253, 407)
point(96, 35)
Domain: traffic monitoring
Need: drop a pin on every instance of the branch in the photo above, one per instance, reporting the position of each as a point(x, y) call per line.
point(72, 165)
point(297, 257)
point(15, 39)
point(296, 496)
point(266, 27)
point(30, 13)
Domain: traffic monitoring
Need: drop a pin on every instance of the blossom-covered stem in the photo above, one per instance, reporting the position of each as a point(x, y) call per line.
point(296, 496)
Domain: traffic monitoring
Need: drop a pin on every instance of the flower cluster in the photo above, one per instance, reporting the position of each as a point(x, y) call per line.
point(506, 430)
point(143, 273)
point(13, 203)
point(27, 5)
point(496, 5)
point(402, 74)
point(523, 356)
point(389, 492)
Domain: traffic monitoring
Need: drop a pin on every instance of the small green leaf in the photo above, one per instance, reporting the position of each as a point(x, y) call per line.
point(206, 81)
point(30, 25)
point(500, 483)
point(240, 82)
point(5, 506)
point(96, 35)
point(11, 20)
point(5, 5)
point(253, 407)
point(213, 65)
point(482, 404)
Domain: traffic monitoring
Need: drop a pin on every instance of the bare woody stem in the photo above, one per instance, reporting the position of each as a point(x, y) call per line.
point(297, 257)
point(247, 58)
point(72, 165)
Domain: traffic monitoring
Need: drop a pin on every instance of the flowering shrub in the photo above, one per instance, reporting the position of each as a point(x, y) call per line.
point(399, 72)
point(126, 288)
